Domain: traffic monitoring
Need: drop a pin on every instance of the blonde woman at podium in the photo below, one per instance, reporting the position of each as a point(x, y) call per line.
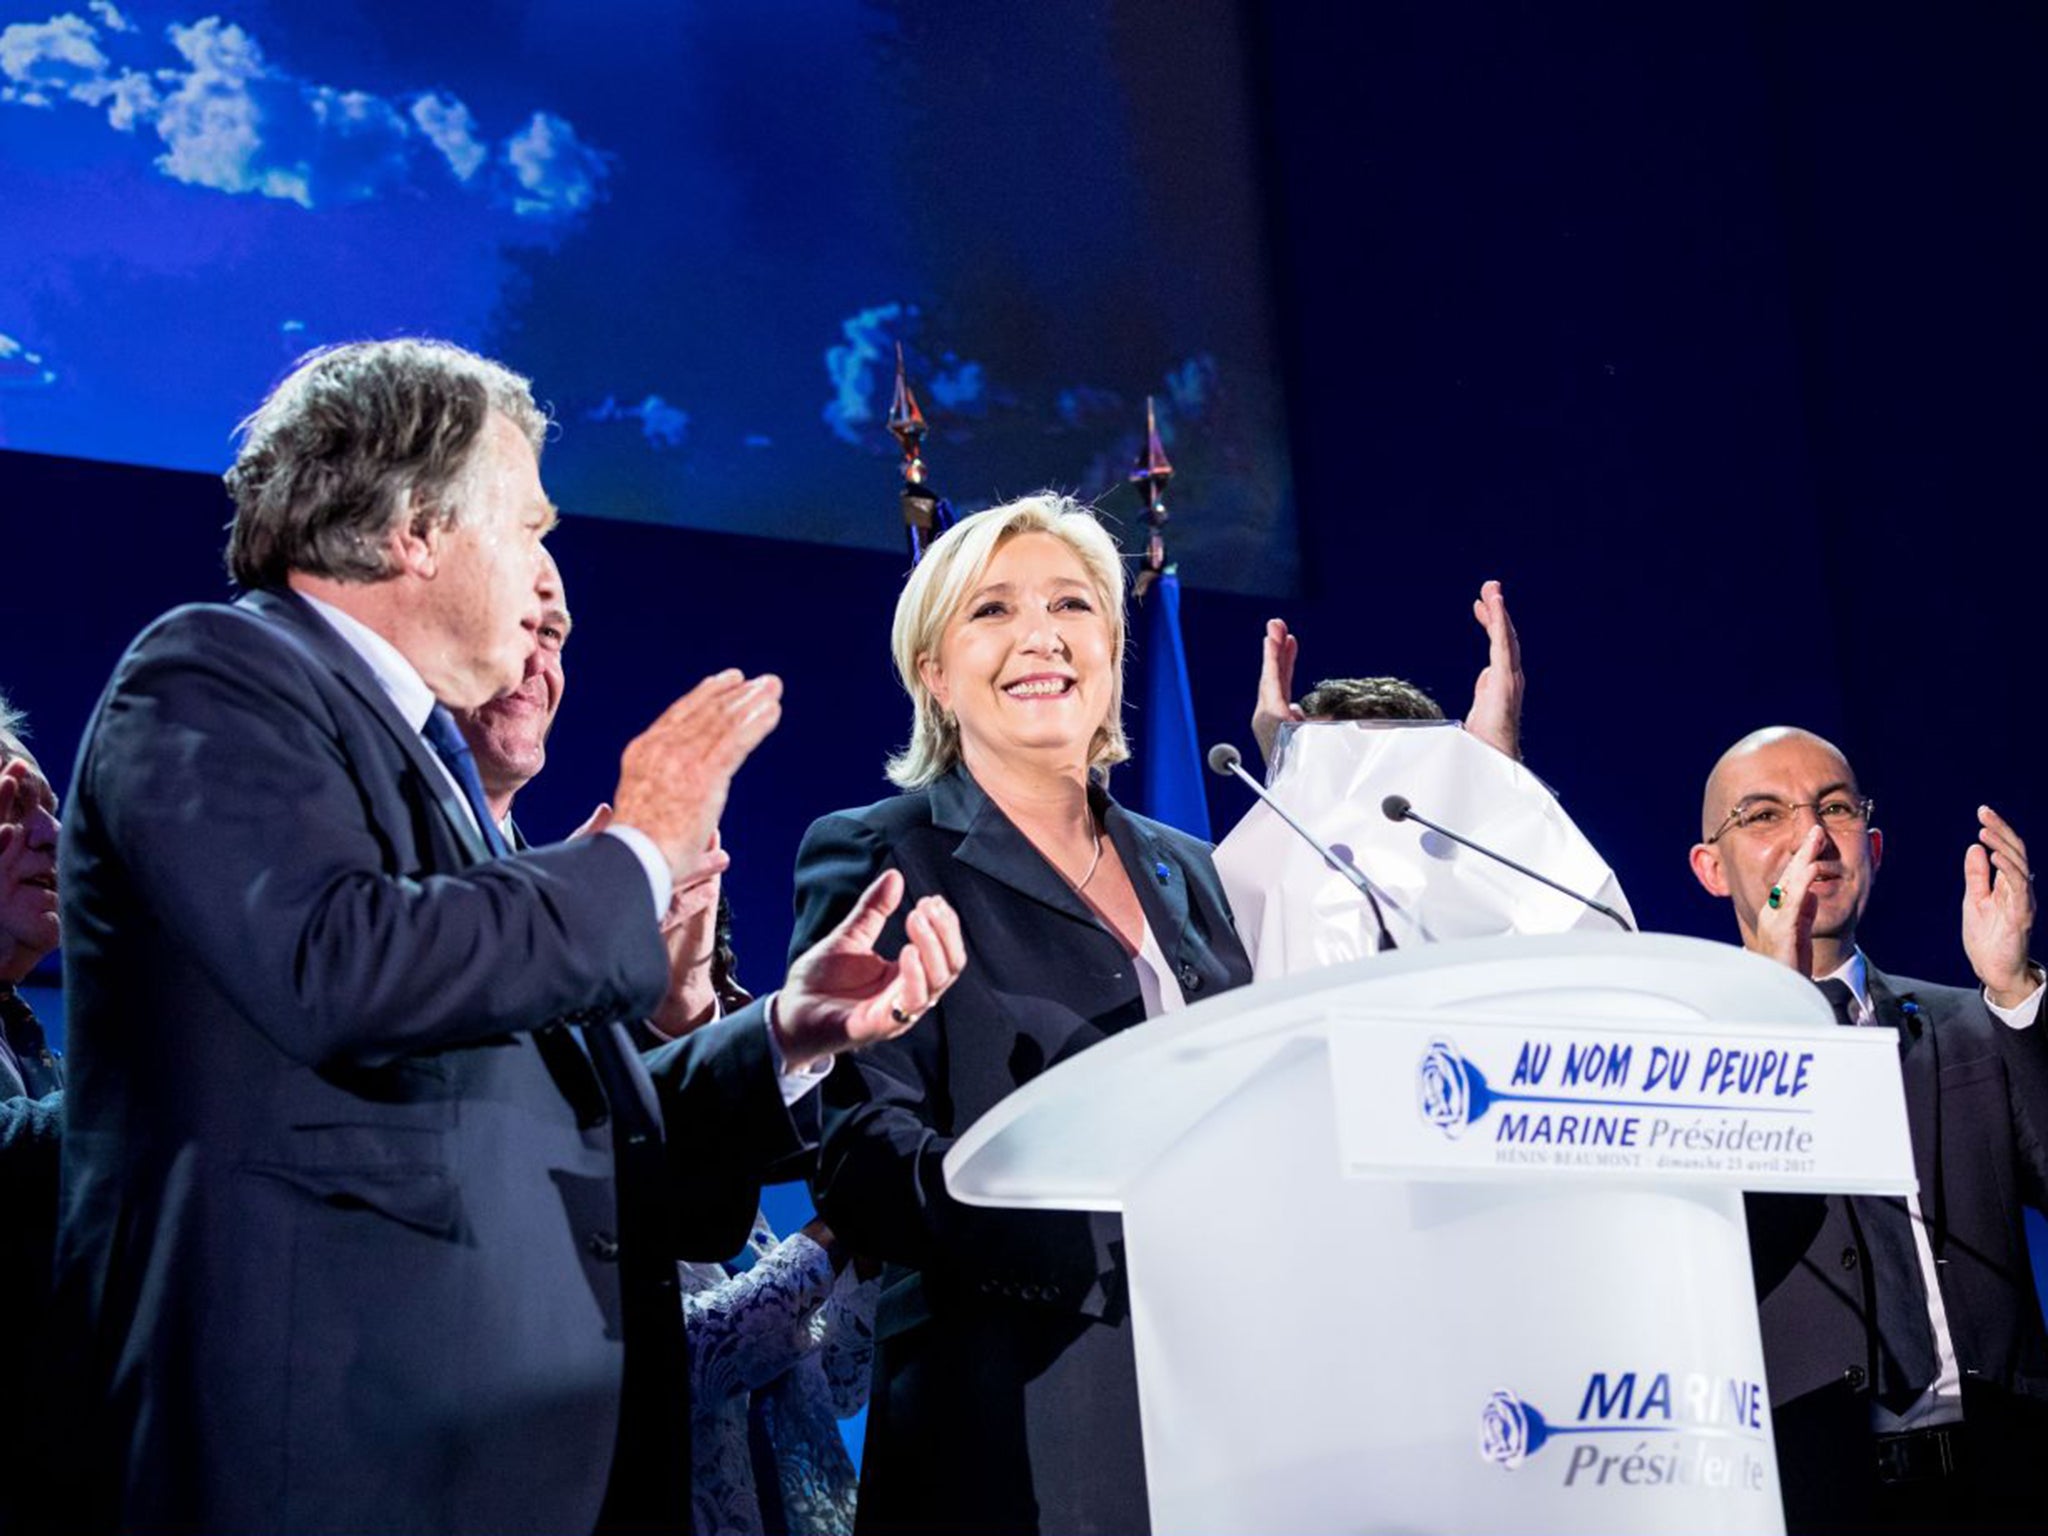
point(1005, 1396)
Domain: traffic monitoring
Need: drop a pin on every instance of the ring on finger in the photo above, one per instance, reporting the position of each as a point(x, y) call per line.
point(900, 1016)
point(1777, 897)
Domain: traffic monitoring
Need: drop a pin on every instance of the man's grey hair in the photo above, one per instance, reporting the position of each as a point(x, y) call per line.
point(355, 438)
point(13, 732)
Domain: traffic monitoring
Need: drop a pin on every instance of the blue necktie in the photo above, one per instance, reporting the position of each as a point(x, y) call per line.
point(644, 1491)
point(445, 737)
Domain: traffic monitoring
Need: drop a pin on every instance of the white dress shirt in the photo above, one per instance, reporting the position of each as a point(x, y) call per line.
point(1942, 1402)
point(1157, 985)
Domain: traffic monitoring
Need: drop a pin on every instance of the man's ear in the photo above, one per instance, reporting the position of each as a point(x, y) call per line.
point(1706, 868)
point(933, 676)
point(1876, 848)
point(414, 542)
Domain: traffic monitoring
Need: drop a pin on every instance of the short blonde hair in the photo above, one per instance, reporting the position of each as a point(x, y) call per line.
point(951, 569)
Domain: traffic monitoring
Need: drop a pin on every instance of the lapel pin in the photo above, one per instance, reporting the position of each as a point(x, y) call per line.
point(1163, 871)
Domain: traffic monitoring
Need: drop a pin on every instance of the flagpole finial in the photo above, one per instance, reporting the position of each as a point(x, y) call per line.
point(1151, 476)
point(906, 424)
point(925, 514)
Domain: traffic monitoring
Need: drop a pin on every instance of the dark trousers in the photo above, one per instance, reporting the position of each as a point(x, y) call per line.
point(1829, 1465)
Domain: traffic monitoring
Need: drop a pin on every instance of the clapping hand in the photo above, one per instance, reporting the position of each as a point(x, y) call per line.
point(842, 995)
point(674, 776)
point(1276, 706)
point(1496, 713)
point(689, 931)
point(1998, 910)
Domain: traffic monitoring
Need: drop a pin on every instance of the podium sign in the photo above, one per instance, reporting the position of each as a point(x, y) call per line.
point(1760, 1107)
point(1354, 1311)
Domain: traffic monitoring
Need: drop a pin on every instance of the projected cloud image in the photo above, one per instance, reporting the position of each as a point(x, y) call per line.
point(231, 121)
point(704, 233)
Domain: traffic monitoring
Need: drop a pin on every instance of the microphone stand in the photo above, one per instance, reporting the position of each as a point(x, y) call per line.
point(1226, 760)
point(1397, 808)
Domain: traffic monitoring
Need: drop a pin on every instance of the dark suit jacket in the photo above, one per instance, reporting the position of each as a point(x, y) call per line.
point(29, 1127)
point(340, 1230)
point(1005, 1396)
point(1977, 1107)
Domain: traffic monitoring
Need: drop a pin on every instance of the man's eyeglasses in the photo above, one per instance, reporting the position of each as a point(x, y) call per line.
point(1762, 813)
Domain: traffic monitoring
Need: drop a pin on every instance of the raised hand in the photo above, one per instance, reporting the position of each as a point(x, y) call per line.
point(674, 776)
point(1275, 706)
point(841, 995)
point(1998, 910)
point(1496, 713)
point(689, 931)
point(1785, 932)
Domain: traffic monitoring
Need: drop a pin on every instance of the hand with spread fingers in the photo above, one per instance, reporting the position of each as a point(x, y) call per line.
point(1784, 924)
point(841, 995)
point(1496, 713)
point(1276, 706)
point(1998, 911)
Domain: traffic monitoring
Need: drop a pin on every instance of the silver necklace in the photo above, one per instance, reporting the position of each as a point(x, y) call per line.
point(1093, 864)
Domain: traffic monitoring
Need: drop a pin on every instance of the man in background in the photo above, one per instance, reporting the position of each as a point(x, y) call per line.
point(1903, 1341)
point(31, 1109)
point(1494, 718)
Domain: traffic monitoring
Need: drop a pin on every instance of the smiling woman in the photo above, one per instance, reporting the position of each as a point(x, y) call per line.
point(1043, 556)
point(1006, 1394)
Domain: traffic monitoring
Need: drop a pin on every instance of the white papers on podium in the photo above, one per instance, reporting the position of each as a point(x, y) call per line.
point(1295, 914)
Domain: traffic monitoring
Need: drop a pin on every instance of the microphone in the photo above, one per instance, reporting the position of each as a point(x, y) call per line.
point(1397, 808)
point(1226, 760)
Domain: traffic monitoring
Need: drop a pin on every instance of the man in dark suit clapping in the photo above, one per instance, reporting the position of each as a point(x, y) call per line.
point(1902, 1337)
point(366, 1197)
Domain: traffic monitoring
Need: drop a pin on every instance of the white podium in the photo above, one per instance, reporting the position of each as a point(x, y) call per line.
point(1451, 1239)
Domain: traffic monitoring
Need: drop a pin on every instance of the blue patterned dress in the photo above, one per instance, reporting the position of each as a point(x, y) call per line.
point(779, 1353)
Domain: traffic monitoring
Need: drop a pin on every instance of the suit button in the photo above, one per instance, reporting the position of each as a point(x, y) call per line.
point(603, 1247)
point(1190, 979)
point(1855, 1377)
point(1849, 1258)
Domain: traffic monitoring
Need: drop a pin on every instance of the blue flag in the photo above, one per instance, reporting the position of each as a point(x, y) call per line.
point(1169, 755)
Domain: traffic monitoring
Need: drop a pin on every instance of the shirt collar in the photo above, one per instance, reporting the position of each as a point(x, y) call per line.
point(409, 693)
point(1854, 973)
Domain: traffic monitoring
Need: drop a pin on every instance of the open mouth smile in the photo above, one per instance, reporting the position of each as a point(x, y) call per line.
point(1040, 686)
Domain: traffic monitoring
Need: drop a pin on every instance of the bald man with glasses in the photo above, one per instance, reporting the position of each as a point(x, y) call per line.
point(1903, 1340)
